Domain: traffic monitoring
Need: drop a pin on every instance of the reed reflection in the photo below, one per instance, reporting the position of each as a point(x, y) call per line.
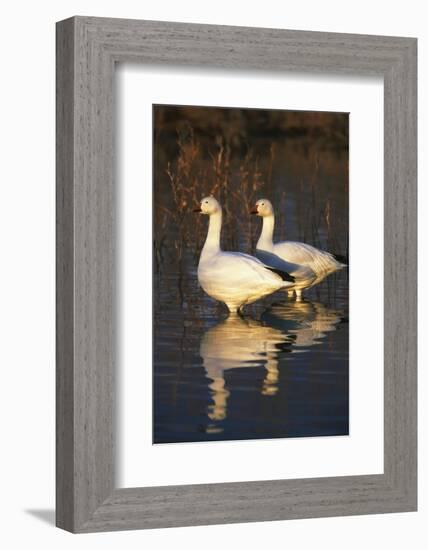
point(237, 343)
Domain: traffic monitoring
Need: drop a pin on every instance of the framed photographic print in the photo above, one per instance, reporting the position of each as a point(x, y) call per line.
point(236, 274)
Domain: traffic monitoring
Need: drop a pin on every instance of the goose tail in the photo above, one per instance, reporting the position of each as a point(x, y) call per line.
point(342, 260)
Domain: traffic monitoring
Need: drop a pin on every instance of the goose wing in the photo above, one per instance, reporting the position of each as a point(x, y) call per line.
point(299, 272)
point(306, 255)
point(238, 270)
point(261, 268)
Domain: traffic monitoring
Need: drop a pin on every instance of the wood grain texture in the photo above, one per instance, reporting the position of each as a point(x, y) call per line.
point(87, 50)
point(64, 277)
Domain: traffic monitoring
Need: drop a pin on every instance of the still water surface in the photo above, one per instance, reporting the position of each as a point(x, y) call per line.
point(282, 371)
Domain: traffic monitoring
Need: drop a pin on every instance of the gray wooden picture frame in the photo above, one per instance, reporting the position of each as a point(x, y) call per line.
point(87, 50)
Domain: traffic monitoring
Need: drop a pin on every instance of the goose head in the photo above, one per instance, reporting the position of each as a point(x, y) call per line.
point(263, 208)
point(208, 206)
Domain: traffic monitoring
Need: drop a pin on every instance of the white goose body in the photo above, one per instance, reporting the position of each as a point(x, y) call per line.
point(232, 277)
point(311, 265)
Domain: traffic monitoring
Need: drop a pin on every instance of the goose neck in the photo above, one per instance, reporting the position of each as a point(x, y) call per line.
point(265, 241)
point(212, 242)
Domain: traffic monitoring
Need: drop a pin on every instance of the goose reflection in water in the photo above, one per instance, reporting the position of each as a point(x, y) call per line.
point(307, 323)
point(242, 343)
point(239, 343)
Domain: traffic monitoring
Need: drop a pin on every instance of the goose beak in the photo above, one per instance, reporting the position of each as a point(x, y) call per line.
point(199, 209)
point(254, 210)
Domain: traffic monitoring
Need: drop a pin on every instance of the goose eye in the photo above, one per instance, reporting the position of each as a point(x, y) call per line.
point(263, 203)
point(206, 202)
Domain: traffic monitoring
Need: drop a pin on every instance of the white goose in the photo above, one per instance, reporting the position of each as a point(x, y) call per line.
point(232, 277)
point(237, 343)
point(302, 255)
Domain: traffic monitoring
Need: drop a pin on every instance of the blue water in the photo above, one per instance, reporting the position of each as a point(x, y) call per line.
point(281, 371)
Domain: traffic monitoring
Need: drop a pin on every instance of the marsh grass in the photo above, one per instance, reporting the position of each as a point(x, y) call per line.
point(237, 183)
point(195, 173)
point(306, 176)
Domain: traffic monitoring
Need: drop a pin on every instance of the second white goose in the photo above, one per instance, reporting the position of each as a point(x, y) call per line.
point(232, 277)
point(303, 256)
